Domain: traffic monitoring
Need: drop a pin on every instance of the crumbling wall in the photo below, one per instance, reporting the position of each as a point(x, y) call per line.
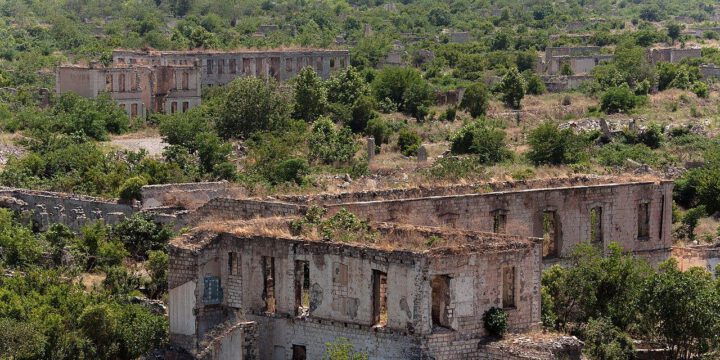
point(71, 210)
point(706, 257)
point(185, 195)
point(524, 213)
point(223, 209)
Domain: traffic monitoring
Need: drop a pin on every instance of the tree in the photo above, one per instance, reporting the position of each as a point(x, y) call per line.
point(605, 341)
point(346, 87)
point(405, 87)
point(475, 100)
point(512, 88)
point(618, 99)
point(439, 17)
point(482, 139)
point(248, 105)
point(131, 189)
point(682, 310)
point(141, 234)
point(408, 142)
point(535, 85)
point(329, 145)
point(550, 145)
point(362, 111)
point(310, 95)
point(673, 31)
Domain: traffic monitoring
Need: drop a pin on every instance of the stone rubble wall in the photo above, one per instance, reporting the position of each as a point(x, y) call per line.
point(706, 257)
point(184, 195)
point(75, 211)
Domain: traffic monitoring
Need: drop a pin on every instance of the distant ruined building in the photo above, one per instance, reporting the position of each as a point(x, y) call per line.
point(144, 82)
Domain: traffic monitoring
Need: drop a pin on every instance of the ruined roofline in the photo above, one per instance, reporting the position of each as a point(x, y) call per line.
point(233, 51)
point(477, 189)
point(114, 66)
point(59, 195)
point(390, 238)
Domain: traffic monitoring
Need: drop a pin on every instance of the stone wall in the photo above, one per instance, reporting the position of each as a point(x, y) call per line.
point(705, 256)
point(620, 204)
point(223, 209)
point(185, 195)
point(71, 210)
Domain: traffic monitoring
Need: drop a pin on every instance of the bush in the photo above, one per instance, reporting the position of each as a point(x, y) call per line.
point(495, 320)
point(475, 100)
point(404, 87)
point(701, 89)
point(250, 104)
point(408, 142)
point(310, 95)
point(605, 341)
point(378, 129)
point(450, 113)
point(131, 189)
point(535, 85)
point(329, 145)
point(483, 139)
point(141, 234)
point(618, 99)
point(550, 145)
point(362, 111)
point(290, 170)
point(512, 88)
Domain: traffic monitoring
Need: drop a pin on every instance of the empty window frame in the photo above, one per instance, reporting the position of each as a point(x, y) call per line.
point(233, 263)
point(134, 82)
point(185, 106)
point(268, 266)
point(596, 225)
point(288, 65)
point(440, 286)
point(299, 352)
point(233, 66)
point(133, 110)
point(499, 221)
point(332, 63)
point(508, 287)
point(209, 66)
point(550, 234)
point(221, 66)
point(185, 80)
point(643, 224)
point(108, 82)
point(121, 83)
point(302, 288)
point(379, 281)
point(173, 107)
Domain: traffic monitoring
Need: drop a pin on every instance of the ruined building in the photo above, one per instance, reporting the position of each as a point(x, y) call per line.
point(143, 82)
point(246, 281)
point(221, 67)
point(138, 89)
point(565, 68)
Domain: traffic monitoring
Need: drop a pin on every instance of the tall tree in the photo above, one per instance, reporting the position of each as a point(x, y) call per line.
point(513, 88)
point(310, 95)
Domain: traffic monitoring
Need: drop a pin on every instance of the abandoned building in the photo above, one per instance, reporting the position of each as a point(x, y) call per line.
point(396, 297)
point(221, 67)
point(143, 82)
point(246, 283)
point(673, 55)
point(138, 89)
point(565, 68)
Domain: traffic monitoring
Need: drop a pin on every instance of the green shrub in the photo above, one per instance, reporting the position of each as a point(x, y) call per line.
point(605, 341)
point(291, 170)
point(450, 113)
point(618, 99)
point(362, 111)
point(483, 139)
point(408, 142)
point(701, 89)
point(535, 85)
point(495, 321)
point(550, 145)
point(329, 145)
point(615, 154)
point(475, 100)
point(131, 189)
point(140, 234)
point(379, 129)
point(310, 95)
point(512, 88)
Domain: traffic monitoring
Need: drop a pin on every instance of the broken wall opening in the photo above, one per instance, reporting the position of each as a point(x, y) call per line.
point(499, 221)
point(379, 298)
point(440, 294)
point(643, 225)
point(299, 352)
point(268, 266)
point(596, 226)
point(551, 234)
point(508, 287)
point(302, 288)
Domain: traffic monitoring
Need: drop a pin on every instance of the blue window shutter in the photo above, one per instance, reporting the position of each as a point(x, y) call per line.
point(212, 293)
